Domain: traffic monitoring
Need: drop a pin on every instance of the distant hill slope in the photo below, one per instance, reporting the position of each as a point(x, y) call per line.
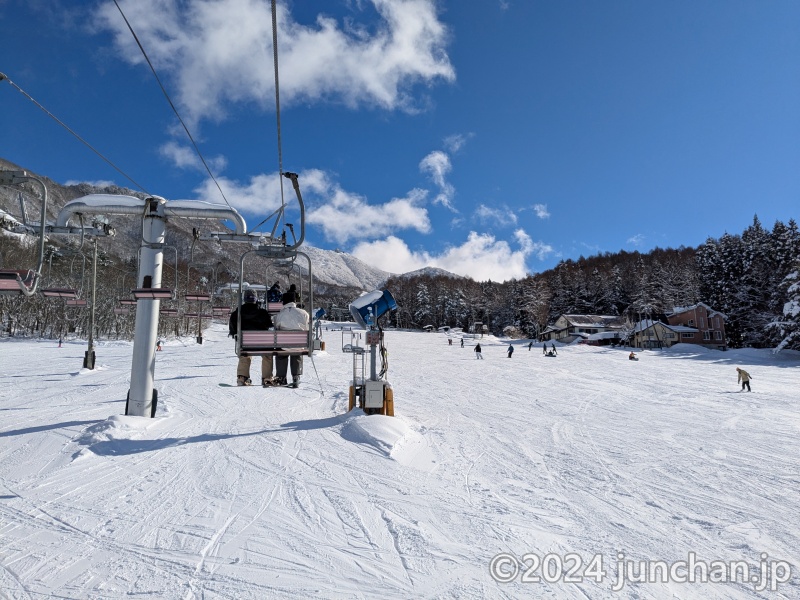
point(432, 272)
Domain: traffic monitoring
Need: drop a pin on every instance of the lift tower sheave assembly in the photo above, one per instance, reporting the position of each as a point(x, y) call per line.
point(373, 395)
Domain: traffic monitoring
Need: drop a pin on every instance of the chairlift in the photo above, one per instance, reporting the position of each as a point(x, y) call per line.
point(277, 252)
point(68, 293)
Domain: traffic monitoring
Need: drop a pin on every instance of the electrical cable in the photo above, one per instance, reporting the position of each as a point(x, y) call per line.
point(65, 126)
point(175, 110)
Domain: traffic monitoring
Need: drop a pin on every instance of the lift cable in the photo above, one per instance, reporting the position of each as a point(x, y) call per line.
point(277, 98)
point(175, 110)
point(83, 141)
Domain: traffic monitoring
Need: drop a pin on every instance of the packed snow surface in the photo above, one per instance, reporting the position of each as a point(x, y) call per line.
point(584, 464)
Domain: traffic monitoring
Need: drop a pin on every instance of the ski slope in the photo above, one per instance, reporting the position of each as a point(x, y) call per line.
point(587, 461)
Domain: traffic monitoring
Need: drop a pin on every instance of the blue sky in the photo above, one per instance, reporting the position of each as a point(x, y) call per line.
point(491, 138)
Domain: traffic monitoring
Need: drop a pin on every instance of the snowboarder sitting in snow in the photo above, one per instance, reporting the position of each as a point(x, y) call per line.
point(744, 378)
point(253, 317)
point(632, 356)
point(290, 318)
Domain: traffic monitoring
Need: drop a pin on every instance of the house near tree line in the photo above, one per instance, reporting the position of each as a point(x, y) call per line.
point(709, 325)
point(603, 329)
point(696, 324)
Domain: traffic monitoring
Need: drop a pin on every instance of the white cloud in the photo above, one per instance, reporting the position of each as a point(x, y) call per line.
point(454, 143)
point(392, 255)
point(541, 211)
point(481, 256)
point(347, 216)
point(218, 53)
point(437, 165)
point(185, 157)
point(341, 215)
point(636, 240)
point(502, 216)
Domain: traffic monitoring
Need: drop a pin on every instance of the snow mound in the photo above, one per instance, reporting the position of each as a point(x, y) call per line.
point(120, 434)
point(114, 428)
point(392, 437)
point(688, 349)
point(379, 431)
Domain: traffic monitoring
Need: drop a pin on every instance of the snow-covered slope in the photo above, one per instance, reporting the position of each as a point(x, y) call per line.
point(339, 268)
point(432, 272)
point(254, 493)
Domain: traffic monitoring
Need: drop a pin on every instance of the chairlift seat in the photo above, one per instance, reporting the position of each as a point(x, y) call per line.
point(258, 342)
point(274, 307)
point(10, 280)
point(76, 302)
point(152, 293)
point(60, 293)
point(197, 297)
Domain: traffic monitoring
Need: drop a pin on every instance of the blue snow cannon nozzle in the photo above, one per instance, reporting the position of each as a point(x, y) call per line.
point(367, 309)
point(319, 314)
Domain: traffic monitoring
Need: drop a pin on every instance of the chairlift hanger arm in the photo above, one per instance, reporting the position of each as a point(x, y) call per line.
point(12, 177)
point(296, 186)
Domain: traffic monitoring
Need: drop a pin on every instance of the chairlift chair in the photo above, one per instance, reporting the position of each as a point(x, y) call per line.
point(279, 342)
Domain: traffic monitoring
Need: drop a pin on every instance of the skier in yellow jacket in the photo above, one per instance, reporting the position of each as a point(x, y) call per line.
point(744, 378)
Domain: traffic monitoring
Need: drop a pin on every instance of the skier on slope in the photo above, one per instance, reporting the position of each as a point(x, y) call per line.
point(744, 378)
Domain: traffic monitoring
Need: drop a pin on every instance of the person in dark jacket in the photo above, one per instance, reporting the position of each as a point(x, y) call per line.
point(274, 294)
point(510, 350)
point(293, 293)
point(253, 317)
point(478, 351)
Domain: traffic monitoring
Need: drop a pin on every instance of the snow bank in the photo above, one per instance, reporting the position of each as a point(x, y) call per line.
point(391, 436)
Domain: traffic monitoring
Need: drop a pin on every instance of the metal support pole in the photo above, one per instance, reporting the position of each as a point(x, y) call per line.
point(373, 362)
point(141, 396)
point(88, 359)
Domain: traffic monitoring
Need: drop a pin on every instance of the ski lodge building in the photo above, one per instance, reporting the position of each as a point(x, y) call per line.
point(600, 330)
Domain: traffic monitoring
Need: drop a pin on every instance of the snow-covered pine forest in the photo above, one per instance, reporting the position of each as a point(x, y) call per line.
point(751, 278)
